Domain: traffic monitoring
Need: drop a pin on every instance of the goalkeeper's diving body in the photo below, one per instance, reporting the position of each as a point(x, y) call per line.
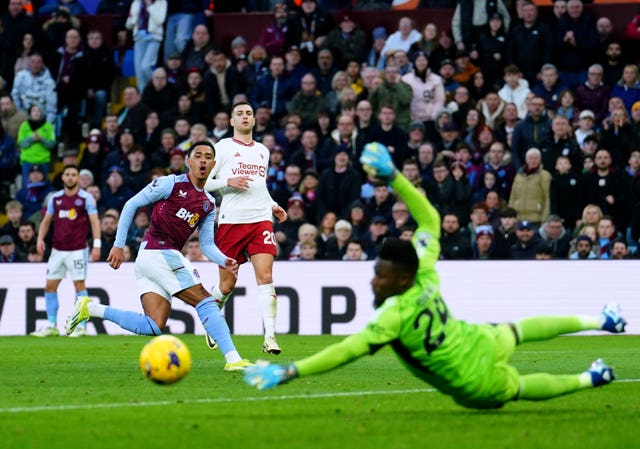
point(469, 362)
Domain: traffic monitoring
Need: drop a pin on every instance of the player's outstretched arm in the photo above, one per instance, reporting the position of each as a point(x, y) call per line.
point(376, 161)
point(265, 375)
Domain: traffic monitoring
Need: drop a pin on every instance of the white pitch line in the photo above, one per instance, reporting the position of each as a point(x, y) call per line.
point(60, 408)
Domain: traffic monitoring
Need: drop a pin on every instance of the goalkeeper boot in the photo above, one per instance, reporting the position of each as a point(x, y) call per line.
point(80, 314)
point(211, 343)
point(48, 331)
point(271, 346)
point(240, 365)
point(601, 373)
point(613, 321)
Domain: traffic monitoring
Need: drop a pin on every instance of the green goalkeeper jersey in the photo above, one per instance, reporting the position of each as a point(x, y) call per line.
point(454, 356)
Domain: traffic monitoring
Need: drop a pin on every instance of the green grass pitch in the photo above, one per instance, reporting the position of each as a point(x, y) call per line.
point(88, 392)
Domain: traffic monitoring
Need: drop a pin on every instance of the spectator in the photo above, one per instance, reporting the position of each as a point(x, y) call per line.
point(34, 85)
point(491, 51)
point(176, 162)
point(99, 63)
point(429, 41)
point(620, 250)
point(308, 29)
point(26, 49)
point(355, 250)
point(287, 233)
point(336, 245)
point(74, 7)
point(378, 231)
point(628, 87)
point(471, 18)
point(134, 112)
point(182, 18)
point(591, 215)
point(515, 89)
point(566, 192)
point(402, 39)
point(26, 237)
point(118, 158)
point(561, 143)
point(308, 189)
point(390, 133)
point(553, 234)
point(593, 94)
point(618, 137)
point(612, 62)
point(307, 234)
point(530, 43)
point(527, 242)
point(70, 67)
point(549, 87)
point(115, 193)
point(307, 102)
point(13, 209)
point(274, 89)
point(381, 202)
point(508, 225)
point(10, 117)
point(427, 87)
point(584, 249)
point(221, 82)
point(339, 185)
point(192, 250)
point(136, 171)
point(585, 127)
point(15, 24)
point(158, 94)
point(345, 135)
point(146, 20)
point(606, 235)
point(108, 228)
point(530, 191)
point(35, 190)
point(272, 36)
point(608, 189)
point(346, 41)
point(36, 139)
point(454, 240)
point(483, 247)
point(532, 131)
point(284, 192)
point(196, 49)
point(576, 43)
point(375, 58)
point(8, 251)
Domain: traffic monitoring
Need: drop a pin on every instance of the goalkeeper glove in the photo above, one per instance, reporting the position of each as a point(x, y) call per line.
point(264, 375)
point(377, 162)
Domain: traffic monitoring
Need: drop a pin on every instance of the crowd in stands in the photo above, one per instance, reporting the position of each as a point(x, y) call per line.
point(523, 131)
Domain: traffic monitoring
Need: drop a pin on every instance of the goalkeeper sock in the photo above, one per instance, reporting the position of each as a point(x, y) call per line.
point(52, 304)
point(219, 297)
point(215, 325)
point(84, 292)
point(540, 386)
point(268, 304)
point(137, 323)
point(547, 327)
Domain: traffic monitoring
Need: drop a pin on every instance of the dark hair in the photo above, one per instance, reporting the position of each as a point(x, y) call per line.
point(70, 166)
point(240, 103)
point(201, 143)
point(401, 253)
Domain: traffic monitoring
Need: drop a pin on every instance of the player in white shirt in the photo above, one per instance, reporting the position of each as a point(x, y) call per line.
point(245, 230)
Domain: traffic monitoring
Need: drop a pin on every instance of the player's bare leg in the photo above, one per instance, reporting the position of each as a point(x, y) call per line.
point(267, 299)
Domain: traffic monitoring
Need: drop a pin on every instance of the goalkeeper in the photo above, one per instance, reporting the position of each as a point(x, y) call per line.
point(469, 362)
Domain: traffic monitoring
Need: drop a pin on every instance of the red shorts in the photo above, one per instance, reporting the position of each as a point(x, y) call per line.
point(242, 240)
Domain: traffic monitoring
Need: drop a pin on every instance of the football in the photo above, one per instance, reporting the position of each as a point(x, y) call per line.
point(165, 360)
